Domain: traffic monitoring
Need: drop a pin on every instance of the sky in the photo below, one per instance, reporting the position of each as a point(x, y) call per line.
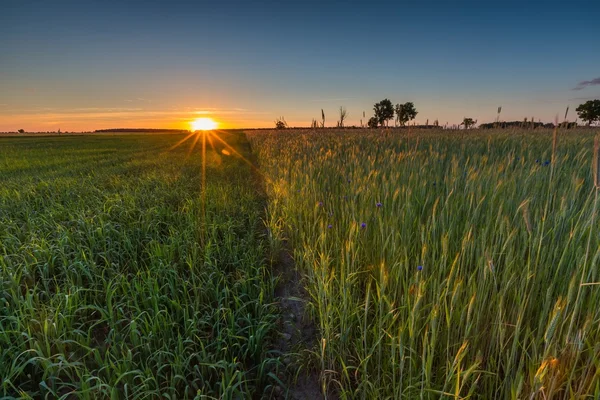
point(85, 65)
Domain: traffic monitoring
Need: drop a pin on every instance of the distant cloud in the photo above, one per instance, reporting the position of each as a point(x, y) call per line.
point(584, 84)
point(104, 109)
point(138, 99)
point(121, 113)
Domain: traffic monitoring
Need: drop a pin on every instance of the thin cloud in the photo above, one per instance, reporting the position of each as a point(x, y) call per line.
point(138, 99)
point(583, 84)
point(97, 113)
point(103, 109)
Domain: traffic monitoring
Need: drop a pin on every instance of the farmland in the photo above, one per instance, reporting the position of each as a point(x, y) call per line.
point(443, 263)
point(116, 282)
point(435, 264)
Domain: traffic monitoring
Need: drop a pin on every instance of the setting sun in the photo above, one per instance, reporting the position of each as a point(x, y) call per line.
point(204, 124)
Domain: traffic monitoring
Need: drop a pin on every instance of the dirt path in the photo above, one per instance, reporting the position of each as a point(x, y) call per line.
point(298, 333)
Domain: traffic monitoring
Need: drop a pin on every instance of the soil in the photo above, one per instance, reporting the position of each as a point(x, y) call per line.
point(298, 331)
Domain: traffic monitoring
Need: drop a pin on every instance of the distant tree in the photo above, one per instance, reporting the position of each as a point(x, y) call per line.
point(516, 124)
point(436, 123)
point(468, 122)
point(405, 112)
point(373, 122)
point(280, 123)
point(384, 111)
point(343, 115)
point(589, 111)
point(21, 131)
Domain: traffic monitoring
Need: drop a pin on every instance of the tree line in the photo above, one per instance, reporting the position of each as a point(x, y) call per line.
point(402, 114)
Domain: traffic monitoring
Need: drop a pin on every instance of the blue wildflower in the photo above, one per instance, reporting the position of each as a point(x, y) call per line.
point(363, 225)
point(320, 204)
point(547, 162)
point(329, 226)
point(537, 161)
point(379, 205)
point(420, 268)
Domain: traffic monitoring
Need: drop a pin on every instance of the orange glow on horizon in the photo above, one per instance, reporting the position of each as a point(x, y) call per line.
point(204, 124)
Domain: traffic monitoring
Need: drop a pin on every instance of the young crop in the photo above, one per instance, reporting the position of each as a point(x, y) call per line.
point(117, 282)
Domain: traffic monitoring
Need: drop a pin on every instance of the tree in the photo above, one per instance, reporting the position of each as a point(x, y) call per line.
point(589, 111)
point(468, 122)
point(21, 131)
point(384, 111)
point(405, 112)
point(280, 123)
point(343, 115)
point(373, 122)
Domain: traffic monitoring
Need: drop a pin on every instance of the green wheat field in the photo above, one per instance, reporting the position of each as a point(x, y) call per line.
point(436, 264)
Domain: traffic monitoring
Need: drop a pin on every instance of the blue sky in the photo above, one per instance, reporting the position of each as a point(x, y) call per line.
point(80, 65)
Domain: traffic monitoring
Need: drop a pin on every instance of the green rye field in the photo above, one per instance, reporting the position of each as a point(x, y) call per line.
point(115, 282)
point(444, 264)
point(436, 264)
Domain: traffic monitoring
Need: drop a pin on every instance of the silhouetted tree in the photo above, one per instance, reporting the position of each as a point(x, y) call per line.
point(280, 123)
point(405, 112)
point(373, 122)
point(384, 111)
point(21, 131)
point(514, 124)
point(343, 115)
point(468, 122)
point(589, 111)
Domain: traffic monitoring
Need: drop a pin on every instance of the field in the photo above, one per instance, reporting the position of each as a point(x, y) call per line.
point(444, 264)
point(436, 264)
point(115, 282)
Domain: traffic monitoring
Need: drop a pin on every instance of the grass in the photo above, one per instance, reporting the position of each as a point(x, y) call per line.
point(115, 282)
point(441, 264)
